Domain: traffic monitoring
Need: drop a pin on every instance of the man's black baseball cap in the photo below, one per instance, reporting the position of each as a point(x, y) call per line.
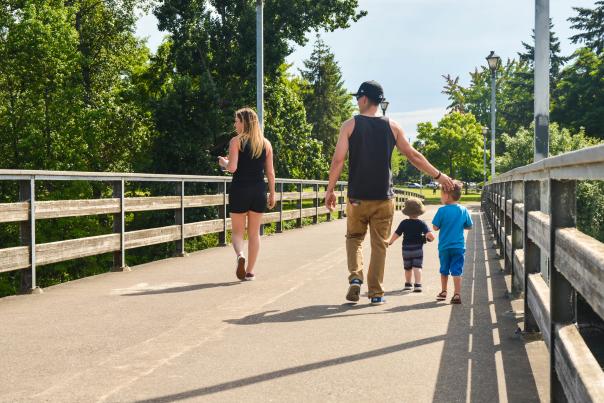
point(372, 90)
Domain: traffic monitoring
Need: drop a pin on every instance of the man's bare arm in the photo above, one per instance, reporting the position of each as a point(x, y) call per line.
point(416, 158)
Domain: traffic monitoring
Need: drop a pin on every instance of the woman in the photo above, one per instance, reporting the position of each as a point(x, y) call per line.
point(250, 158)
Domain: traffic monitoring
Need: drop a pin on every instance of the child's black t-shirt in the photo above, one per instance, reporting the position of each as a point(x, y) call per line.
point(414, 230)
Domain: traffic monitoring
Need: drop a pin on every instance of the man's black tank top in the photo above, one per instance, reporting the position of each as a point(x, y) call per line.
point(370, 152)
point(249, 170)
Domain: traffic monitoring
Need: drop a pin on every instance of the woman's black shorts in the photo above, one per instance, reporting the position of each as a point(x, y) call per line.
point(247, 197)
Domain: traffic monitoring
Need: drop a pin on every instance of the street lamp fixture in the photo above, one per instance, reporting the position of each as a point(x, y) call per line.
point(384, 105)
point(493, 61)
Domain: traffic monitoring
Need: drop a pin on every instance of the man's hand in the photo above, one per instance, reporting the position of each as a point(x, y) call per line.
point(445, 182)
point(330, 200)
point(271, 200)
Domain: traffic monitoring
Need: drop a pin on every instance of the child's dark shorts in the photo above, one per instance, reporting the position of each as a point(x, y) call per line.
point(413, 256)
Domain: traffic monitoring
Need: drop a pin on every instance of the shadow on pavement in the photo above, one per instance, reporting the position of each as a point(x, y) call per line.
point(269, 376)
point(315, 312)
point(186, 288)
point(482, 360)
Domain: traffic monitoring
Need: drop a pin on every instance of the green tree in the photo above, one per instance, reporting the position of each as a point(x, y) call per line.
point(326, 101)
point(299, 155)
point(590, 23)
point(519, 147)
point(590, 195)
point(579, 96)
point(455, 143)
point(208, 69)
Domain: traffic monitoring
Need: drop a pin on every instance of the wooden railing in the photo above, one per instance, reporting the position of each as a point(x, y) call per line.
point(27, 211)
point(558, 269)
point(402, 195)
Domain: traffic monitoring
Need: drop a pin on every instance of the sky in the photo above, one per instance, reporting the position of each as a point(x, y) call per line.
point(407, 45)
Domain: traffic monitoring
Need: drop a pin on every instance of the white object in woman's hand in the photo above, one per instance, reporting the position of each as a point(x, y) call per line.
point(223, 162)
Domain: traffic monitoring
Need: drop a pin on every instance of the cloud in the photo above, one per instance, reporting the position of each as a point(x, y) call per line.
point(409, 120)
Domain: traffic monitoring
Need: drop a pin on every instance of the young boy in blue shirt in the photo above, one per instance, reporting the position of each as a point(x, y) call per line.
point(451, 220)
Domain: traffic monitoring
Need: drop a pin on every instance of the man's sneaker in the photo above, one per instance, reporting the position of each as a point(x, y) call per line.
point(408, 287)
point(417, 288)
point(378, 300)
point(354, 291)
point(249, 277)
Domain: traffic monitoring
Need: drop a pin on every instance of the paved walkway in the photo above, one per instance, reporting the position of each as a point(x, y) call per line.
point(184, 330)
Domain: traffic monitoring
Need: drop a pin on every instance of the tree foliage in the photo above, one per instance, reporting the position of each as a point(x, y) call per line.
point(590, 24)
point(326, 100)
point(455, 144)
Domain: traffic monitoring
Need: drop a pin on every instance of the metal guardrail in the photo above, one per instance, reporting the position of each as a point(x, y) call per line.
point(28, 211)
point(532, 212)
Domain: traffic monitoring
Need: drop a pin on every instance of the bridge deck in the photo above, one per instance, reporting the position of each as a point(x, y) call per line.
point(183, 329)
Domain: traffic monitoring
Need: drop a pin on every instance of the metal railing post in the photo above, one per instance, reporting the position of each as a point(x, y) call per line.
point(328, 212)
point(563, 208)
point(179, 218)
point(280, 222)
point(222, 213)
point(532, 253)
point(341, 202)
point(315, 219)
point(300, 203)
point(27, 236)
point(119, 227)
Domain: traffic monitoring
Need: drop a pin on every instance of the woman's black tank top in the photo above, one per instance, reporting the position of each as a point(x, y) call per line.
point(249, 170)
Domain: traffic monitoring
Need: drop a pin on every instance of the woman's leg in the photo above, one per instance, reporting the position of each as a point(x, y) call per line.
point(253, 234)
point(238, 222)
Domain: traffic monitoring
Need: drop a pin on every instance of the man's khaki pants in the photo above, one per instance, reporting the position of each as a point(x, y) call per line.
point(378, 215)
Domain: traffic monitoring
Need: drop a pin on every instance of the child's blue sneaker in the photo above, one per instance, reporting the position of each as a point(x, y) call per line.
point(354, 290)
point(378, 300)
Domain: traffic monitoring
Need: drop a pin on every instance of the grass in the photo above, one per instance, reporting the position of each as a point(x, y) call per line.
point(434, 198)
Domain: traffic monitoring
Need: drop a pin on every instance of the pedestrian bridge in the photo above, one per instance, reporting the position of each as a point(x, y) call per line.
point(184, 329)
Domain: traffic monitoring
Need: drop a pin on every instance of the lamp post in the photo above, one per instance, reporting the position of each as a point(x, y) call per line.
point(485, 131)
point(260, 61)
point(493, 61)
point(384, 105)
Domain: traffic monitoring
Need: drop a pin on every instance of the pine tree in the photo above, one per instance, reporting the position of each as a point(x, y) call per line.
point(591, 23)
point(557, 61)
point(327, 102)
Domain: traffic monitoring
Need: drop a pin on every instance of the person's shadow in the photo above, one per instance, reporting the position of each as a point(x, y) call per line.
point(315, 312)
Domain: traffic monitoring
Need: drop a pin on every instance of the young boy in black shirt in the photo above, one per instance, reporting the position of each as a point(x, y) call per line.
point(416, 233)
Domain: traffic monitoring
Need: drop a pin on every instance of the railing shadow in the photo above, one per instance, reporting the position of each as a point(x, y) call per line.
point(316, 312)
point(482, 359)
point(269, 376)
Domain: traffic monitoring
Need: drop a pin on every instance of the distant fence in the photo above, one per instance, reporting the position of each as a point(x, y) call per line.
point(27, 211)
point(559, 270)
point(402, 195)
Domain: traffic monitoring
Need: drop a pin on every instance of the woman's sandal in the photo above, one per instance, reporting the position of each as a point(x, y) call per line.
point(441, 296)
point(240, 272)
point(456, 299)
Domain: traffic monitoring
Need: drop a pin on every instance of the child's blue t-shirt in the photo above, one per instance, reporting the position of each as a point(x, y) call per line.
point(452, 219)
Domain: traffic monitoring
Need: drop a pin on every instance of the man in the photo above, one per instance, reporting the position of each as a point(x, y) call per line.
point(370, 139)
